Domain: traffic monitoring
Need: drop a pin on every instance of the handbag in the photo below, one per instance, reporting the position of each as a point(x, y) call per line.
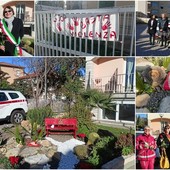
point(164, 162)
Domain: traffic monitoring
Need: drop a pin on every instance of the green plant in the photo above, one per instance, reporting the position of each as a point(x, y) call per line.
point(38, 115)
point(5, 163)
point(127, 150)
point(125, 144)
point(102, 151)
point(37, 132)
point(141, 86)
point(17, 134)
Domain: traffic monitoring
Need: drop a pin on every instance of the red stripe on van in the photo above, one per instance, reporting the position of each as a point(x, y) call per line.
point(12, 101)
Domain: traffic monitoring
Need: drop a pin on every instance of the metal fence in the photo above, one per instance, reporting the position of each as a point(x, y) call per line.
point(49, 43)
point(121, 83)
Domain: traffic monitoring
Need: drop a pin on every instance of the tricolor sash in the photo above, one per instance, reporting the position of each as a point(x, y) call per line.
point(11, 38)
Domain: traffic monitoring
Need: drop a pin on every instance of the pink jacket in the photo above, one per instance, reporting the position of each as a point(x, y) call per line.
point(143, 146)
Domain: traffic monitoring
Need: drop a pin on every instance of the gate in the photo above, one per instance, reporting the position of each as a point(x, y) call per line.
point(52, 43)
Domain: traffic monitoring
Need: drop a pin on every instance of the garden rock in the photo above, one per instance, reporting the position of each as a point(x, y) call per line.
point(45, 143)
point(81, 151)
point(29, 151)
point(11, 143)
point(12, 152)
point(142, 100)
point(93, 137)
point(37, 159)
point(164, 105)
point(50, 153)
point(26, 124)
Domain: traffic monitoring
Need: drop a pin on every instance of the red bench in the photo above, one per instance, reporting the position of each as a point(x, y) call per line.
point(61, 126)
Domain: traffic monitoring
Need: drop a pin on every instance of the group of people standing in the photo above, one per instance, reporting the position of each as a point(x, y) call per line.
point(159, 27)
point(146, 146)
point(11, 33)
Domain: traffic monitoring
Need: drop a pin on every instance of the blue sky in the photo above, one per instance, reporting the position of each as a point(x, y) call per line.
point(12, 60)
point(142, 115)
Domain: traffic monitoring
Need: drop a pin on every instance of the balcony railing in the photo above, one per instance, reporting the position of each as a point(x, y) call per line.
point(121, 83)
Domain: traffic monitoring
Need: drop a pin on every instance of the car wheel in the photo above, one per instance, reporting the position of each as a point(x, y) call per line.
point(17, 117)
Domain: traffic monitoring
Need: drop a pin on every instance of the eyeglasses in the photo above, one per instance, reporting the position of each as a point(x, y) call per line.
point(166, 128)
point(7, 11)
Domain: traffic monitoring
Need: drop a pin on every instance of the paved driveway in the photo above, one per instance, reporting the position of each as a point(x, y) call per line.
point(143, 47)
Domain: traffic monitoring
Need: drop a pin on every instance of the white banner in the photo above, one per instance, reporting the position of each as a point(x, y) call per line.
point(97, 26)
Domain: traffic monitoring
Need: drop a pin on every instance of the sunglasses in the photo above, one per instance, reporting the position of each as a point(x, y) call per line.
point(7, 11)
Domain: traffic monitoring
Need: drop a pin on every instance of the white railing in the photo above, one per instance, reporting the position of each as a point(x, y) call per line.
point(49, 43)
point(121, 83)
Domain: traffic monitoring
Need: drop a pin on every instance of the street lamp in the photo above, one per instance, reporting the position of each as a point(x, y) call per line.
point(161, 115)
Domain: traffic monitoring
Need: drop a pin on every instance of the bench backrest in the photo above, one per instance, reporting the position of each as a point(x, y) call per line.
point(60, 121)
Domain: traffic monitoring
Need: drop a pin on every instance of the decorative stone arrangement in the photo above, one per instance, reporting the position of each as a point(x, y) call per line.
point(34, 156)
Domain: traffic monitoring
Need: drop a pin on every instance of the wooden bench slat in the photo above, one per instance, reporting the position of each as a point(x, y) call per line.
point(61, 125)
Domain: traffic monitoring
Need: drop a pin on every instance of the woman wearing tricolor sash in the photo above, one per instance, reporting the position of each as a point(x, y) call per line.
point(12, 29)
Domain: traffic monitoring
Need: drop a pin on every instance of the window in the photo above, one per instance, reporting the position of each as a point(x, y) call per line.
point(109, 114)
point(106, 4)
point(154, 4)
point(18, 73)
point(127, 112)
point(20, 11)
point(13, 95)
point(3, 97)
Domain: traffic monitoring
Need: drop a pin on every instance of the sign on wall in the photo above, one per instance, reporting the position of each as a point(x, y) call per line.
point(96, 26)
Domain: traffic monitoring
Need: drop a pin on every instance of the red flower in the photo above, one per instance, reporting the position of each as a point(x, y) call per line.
point(81, 135)
point(14, 160)
point(39, 131)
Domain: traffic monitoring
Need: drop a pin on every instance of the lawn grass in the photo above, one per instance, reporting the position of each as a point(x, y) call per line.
point(116, 131)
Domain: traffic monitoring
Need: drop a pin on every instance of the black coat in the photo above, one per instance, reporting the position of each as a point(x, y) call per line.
point(163, 25)
point(152, 28)
point(162, 137)
point(17, 32)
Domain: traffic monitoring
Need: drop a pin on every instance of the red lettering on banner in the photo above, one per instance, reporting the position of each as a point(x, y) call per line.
point(87, 21)
point(107, 16)
point(82, 25)
point(98, 16)
point(85, 35)
point(80, 34)
point(105, 35)
point(94, 19)
point(113, 34)
point(99, 34)
point(91, 34)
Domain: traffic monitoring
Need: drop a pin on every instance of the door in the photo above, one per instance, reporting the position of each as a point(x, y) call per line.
point(20, 11)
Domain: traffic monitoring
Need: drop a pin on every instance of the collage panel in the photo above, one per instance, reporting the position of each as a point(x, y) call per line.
point(85, 28)
point(152, 28)
point(152, 141)
point(152, 85)
point(17, 28)
point(44, 95)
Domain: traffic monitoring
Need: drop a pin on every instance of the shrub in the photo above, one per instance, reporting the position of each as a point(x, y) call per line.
point(102, 151)
point(39, 114)
point(83, 115)
point(125, 144)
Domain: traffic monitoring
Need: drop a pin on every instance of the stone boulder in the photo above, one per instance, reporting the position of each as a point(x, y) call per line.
point(164, 106)
point(81, 151)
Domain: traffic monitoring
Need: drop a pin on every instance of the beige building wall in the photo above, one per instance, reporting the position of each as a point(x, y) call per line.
point(154, 121)
point(13, 73)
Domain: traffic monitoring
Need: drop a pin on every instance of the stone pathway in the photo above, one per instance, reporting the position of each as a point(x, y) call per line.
point(143, 47)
